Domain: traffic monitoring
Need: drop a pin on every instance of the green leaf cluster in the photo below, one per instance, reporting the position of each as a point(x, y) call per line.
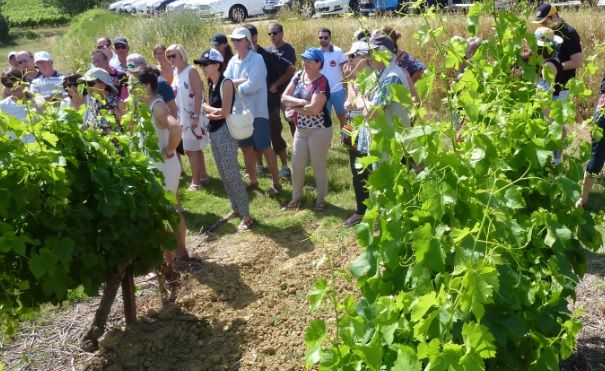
point(472, 248)
point(76, 206)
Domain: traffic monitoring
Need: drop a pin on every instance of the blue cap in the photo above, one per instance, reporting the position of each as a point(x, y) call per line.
point(314, 54)
point(218, 39)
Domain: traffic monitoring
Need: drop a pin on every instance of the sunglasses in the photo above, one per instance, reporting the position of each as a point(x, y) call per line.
point(105, 46)
point(120, 46)
point(273, 33)
point(171, 56)
point(195, 135)
point(323, 37)
point(92, 83)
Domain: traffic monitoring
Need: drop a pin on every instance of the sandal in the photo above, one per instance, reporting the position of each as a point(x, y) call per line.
point(581, 203)
point(292, 205)
point(226, 218)
point(194, 187)
point(275, 189)
point(353, 220)
point(252, 186)
point(245, 225)
point(320, 205)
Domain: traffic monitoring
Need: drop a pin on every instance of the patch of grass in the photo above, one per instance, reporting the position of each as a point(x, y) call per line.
point(33, 40)
point(33, 13)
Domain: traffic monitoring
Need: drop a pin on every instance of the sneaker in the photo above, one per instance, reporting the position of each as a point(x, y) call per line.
point(262, 171)
point(285, 173)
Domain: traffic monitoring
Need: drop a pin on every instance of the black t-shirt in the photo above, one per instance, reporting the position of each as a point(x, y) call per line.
point(214, 98)
point(276, 67)
point(571, 45)
point(285, 51)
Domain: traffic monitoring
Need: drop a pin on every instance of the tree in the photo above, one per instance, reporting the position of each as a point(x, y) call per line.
point(73, 7)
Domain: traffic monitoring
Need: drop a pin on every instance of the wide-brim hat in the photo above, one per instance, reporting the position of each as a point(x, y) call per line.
point(98, 74)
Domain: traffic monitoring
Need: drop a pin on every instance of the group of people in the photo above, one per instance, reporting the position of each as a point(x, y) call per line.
point(245, 76)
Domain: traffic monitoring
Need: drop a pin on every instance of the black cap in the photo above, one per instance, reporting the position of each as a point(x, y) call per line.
point(209, 56)
point(218, 39)
point(545, 10)
point(120, 40)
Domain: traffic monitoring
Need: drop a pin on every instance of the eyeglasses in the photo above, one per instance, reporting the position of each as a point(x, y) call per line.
point(323, 37)
point(170, 56)
point(92, 83)
point(120, 46)
point(273, 33)
point(105, 46)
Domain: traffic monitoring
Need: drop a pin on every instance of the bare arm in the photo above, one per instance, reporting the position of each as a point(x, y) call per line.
point(172, 108)
point(198, 94)
point(290, 100)
point(283, 78)
point(574, 62)
point(165, 120)
point(315, 106)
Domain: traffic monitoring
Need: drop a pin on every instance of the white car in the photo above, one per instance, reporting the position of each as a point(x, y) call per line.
point(177, 6)
point(140, 7)
point(335, 7)
point(116, 6)
point(129, 6)
point(235, 10)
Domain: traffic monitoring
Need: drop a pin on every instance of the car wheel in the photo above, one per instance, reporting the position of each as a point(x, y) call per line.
point(354, 6)
point(307, 9)
point(237, 14)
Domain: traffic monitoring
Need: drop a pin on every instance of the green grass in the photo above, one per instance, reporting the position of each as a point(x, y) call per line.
point(34, 40)
point(32, 13)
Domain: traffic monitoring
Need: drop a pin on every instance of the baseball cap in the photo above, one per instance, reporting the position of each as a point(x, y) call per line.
point(210, 56)
point(382, 42)
point(544, 35)
point(314, 54)
point(359, 47)
point(544, 11)
point(98, 74)
point(120, 40)
point(218, 39)
point(42, 56)
point(241, 33)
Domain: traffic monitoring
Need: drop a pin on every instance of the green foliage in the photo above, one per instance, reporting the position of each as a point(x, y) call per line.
point(32, 13)
point(73, 7)
point(469, 262)
point(4, 29)
point(76, 207)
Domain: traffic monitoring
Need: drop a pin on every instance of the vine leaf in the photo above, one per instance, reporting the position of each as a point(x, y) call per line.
point(317, 294)
point(314, 336)
point(478, 286)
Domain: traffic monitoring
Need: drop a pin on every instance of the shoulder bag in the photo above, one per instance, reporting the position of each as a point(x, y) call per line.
point(239, 125)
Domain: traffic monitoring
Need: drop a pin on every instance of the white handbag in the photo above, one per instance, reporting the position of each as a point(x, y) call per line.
point(240, 125)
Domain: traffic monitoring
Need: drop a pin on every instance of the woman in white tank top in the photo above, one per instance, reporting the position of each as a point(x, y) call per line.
point(189, 92)
point(168, 132)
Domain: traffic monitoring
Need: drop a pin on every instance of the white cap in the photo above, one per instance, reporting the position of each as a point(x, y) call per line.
point(42, 56)
point(241, 33)
point(359, 47)
point(98, 74)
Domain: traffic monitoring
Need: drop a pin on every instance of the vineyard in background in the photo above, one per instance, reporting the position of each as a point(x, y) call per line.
point(32, 13)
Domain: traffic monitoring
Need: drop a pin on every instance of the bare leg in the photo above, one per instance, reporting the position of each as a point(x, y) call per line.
point(259, 159)
point(196, 160)
point(283, 156)
point(272, 164)
point(203, 173)
point(250, 161)
point(586, 188)
point(341, 119)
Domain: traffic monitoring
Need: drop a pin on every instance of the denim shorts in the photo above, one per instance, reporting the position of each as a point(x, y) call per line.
point(337, 100)
point(261, 136)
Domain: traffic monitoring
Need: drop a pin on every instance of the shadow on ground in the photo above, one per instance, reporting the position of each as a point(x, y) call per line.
point(171, 340)
point(589, 356)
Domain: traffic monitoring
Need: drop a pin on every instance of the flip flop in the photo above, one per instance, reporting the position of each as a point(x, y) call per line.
point(245, 225)
point(353, 220)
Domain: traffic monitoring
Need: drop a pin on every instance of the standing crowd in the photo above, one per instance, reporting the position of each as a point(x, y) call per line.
point(248, 81)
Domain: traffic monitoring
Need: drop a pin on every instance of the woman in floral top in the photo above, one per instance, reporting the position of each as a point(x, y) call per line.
point(307, 95)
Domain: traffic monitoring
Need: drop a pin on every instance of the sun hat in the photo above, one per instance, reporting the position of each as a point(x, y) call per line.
point(382, 42)
point(544, 11)
point(98, 74)
point(210, 56)
point(42, 56)
point(218, 39)
point(314, 54)
point(546, 35)
point(359, 47)
point(241, 33)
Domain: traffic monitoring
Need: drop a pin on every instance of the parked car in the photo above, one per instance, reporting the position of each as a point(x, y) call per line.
point(140, 7)
point(304, 7)
point(335, 7)
point(176, 6)
point(130, 6)
point(156, 6)
point(235, 10)
point(116, 6)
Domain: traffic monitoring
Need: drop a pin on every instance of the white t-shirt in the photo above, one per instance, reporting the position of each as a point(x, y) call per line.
point(333, 59)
